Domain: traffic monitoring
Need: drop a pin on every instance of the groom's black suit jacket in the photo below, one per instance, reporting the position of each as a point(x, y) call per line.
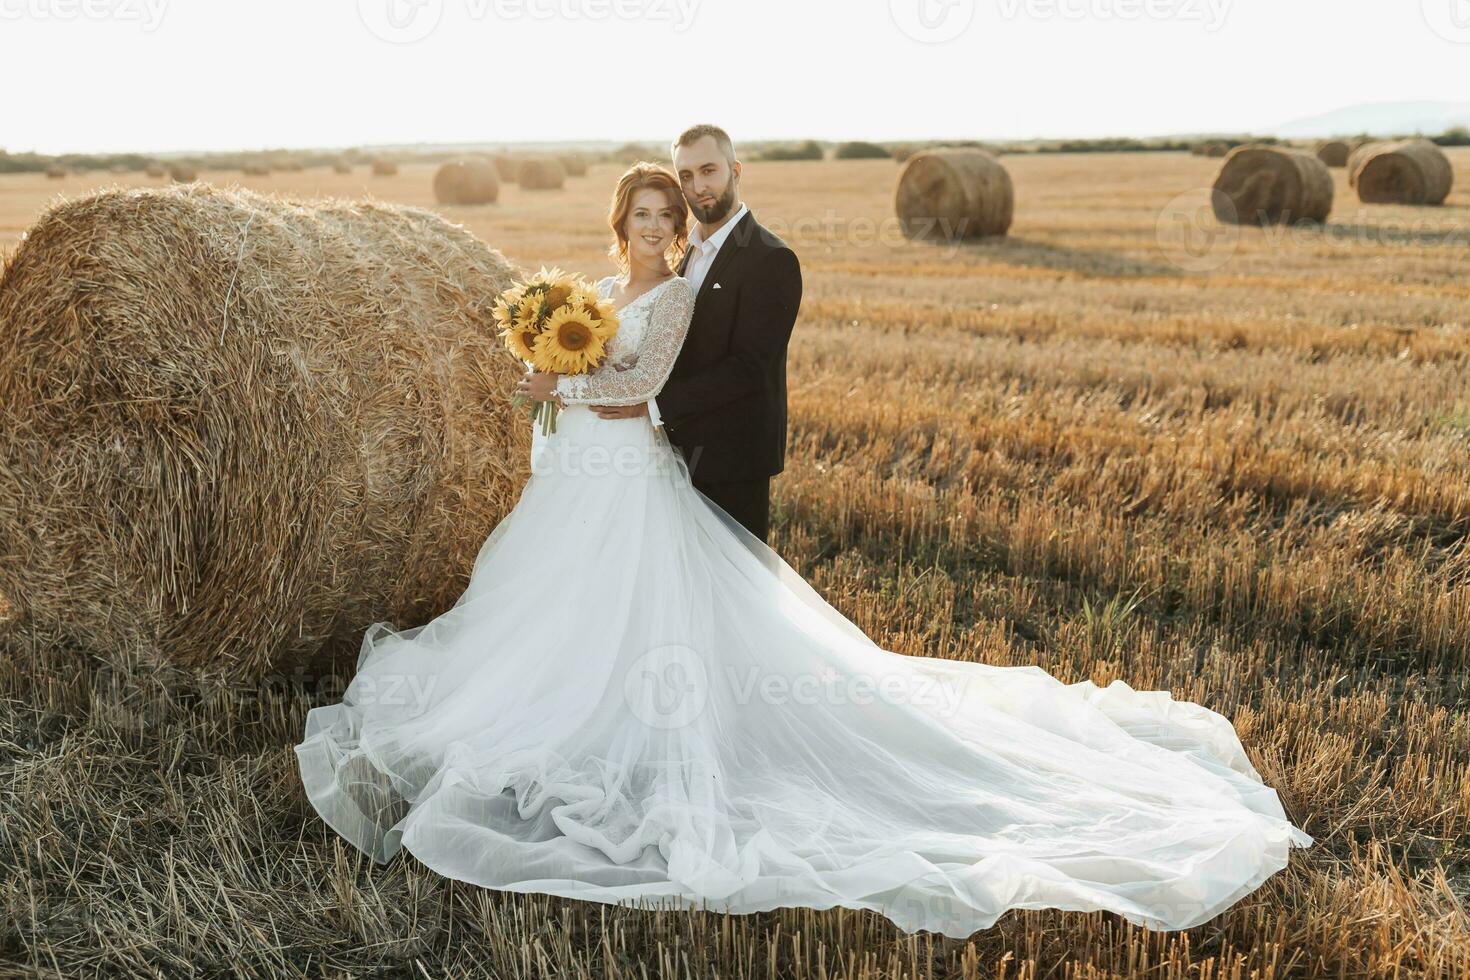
point(724, 404)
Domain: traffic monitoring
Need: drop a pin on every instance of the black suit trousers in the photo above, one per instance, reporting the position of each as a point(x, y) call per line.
point(748, 501)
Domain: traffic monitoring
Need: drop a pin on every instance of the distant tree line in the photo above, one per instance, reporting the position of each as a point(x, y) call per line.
point(810, 149)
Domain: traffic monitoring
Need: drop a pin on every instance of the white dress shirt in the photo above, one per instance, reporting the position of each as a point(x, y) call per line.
point(701, 256)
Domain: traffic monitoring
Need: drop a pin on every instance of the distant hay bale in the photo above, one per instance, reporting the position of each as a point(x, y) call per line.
point(954, 194)
point(1334, 153)
point(1215, 149)
point(182, 173)
point(1403, 172)
point(155, 169)
point(469, 180)
point(256, 170)
point(56, 170)
point(383, 167)
point(1261, 184)
point(574, 163)
point(342, 165)
point(540, 173)
point(1357, 155)
point(506, 165)
point(236, 430)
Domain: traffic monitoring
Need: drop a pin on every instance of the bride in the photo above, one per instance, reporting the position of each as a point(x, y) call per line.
point(635, 701)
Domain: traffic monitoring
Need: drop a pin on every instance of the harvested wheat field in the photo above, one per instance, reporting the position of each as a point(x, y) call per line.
point(1121, 442)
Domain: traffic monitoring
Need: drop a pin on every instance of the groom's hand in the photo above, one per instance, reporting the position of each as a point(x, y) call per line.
point(621, 411)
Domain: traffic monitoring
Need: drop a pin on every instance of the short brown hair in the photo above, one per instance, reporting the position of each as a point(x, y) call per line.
point(694, 134)
point(640, 175)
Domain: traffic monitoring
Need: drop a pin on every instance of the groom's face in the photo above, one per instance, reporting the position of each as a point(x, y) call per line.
point(709, 181)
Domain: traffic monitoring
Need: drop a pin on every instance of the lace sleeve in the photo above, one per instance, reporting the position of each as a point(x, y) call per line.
point(668, 322)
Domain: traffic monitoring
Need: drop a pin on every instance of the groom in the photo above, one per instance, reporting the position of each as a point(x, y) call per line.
point(724, 405)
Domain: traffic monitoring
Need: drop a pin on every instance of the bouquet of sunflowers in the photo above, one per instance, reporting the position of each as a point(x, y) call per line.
point(554, 321)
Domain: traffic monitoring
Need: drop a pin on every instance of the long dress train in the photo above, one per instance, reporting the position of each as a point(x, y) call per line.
point(637, 701)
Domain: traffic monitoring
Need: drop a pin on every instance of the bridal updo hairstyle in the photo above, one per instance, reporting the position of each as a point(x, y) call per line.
point(640, 175)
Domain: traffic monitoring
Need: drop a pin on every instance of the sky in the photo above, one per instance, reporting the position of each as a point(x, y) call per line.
point(189, 75)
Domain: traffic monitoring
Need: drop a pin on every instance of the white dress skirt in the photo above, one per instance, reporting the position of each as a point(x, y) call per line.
point(636, 701)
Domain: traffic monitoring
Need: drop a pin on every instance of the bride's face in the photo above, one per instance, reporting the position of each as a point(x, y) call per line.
point(649, 226)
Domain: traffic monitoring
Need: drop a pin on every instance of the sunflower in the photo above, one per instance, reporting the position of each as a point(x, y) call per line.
point(528, 311)
point(597, 308)
point(553, 285)
point(504, 308)
point(585, 296)
point(521, 343)
point(572, 341)
point(602, 311)
point(558, 291)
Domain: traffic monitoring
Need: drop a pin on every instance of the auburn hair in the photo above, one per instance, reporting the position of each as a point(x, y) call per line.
point(640, 175)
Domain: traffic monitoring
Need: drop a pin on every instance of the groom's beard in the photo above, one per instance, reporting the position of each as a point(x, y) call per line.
point(722, 206)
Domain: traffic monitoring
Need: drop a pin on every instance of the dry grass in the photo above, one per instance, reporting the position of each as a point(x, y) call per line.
point(1246, 484)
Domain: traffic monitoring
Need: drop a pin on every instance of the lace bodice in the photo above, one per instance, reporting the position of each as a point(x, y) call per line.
point(641, 354)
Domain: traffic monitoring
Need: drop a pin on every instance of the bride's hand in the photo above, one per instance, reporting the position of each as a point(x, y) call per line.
point(538, 386)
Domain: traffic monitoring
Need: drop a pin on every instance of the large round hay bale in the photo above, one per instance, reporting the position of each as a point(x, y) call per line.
point(342, 165)
point(469, 180)
point(540, 173)
point(950, 194)
point(383, 167)
point(236, 429)
point(1214, 149)
point(574, 163)
point(56, 171)
point(155, 169)
point(1402, 172)
point(1334, 153)
point(256, 170)
point(182, 173)
point(1261, 184)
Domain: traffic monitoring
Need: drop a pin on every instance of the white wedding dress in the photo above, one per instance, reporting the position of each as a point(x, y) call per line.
point(637, 701)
